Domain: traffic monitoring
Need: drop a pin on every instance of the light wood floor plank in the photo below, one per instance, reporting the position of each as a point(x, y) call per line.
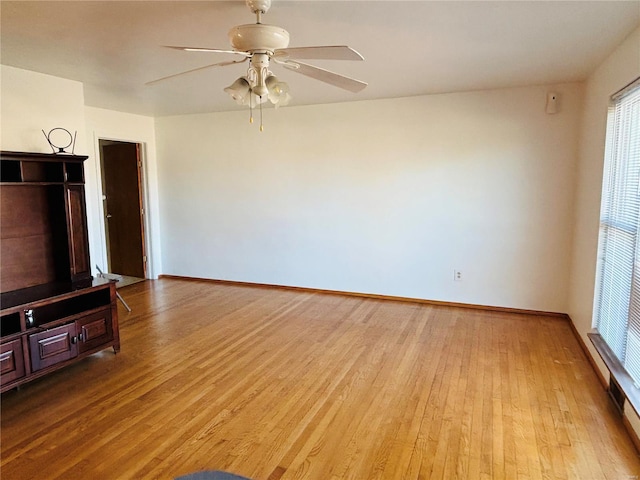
point(279, 384)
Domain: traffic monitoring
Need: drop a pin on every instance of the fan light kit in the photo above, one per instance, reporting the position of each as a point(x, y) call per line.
point(260, 44)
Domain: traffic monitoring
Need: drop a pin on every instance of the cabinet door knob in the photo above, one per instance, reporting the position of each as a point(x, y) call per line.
point(74, 339)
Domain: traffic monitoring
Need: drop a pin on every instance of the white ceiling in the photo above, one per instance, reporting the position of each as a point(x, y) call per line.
point(410, 47)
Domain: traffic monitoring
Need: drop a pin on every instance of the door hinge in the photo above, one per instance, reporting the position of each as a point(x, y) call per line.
point(144, 258)
point(142, 211)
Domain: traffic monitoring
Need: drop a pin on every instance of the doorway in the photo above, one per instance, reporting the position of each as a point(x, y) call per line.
point(123, 208)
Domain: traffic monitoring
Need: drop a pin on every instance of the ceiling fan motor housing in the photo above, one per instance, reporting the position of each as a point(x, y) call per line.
point(258, 37)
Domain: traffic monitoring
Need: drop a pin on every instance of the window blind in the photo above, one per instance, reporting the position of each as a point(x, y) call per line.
point(617, 306)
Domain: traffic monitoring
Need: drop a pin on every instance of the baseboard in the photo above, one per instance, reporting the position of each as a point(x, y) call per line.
point(603, 380)
point(632, 433)
point(423, 301)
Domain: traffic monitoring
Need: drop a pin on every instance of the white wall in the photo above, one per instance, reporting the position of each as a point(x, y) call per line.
point(384, 197)
point(31, 102)
point(619, 69)
point(110, 125)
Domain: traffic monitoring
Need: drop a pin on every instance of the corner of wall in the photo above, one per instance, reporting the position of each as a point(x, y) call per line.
point(619, 69)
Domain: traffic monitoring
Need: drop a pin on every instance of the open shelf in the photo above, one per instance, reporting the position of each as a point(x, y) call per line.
point(10, 171)
point(17, 299)
point(71, 306)
point(10, 324)
point(34, 241)
point(74, 173)
point(42, 172)
point(41, 168)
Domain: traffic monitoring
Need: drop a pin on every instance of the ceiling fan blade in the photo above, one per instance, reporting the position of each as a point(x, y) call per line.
point(208, 50)
point(336, 52)
point(221, 64)
point(326, 76)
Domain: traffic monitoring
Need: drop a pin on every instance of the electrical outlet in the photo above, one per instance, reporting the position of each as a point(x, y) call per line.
point(457, 276)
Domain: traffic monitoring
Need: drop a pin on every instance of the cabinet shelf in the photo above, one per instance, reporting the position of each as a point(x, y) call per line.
point(31, 183)
point(10, 324)
point(74, 172)
point(41, 315)
point(18, 167)
point(10, 171)
point(43, 294)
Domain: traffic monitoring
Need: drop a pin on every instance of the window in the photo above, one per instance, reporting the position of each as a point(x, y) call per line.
point(617, 305)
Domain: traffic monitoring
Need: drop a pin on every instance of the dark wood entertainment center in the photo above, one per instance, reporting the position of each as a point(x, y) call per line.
point(52, 311)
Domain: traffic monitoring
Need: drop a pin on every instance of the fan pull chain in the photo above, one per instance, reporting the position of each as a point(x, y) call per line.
point(261, 126)
point(250, 107)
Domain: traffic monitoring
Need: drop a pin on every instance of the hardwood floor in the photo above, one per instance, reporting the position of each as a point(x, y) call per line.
point(280, 384)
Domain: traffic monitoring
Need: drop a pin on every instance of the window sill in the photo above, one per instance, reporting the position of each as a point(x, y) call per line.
point(617, 371)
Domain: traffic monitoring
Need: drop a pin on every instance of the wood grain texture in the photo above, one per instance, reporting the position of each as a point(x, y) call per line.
point(123, 190)
point(278, 384)
point(78, 234)
point(29, 238)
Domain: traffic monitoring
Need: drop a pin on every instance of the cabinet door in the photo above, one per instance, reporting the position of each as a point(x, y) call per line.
point(78, 239)
point(94, 330)
point(11, 361)
point(53, 346)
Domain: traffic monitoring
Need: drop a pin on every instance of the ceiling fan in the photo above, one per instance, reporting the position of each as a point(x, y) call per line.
point(261, 44)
